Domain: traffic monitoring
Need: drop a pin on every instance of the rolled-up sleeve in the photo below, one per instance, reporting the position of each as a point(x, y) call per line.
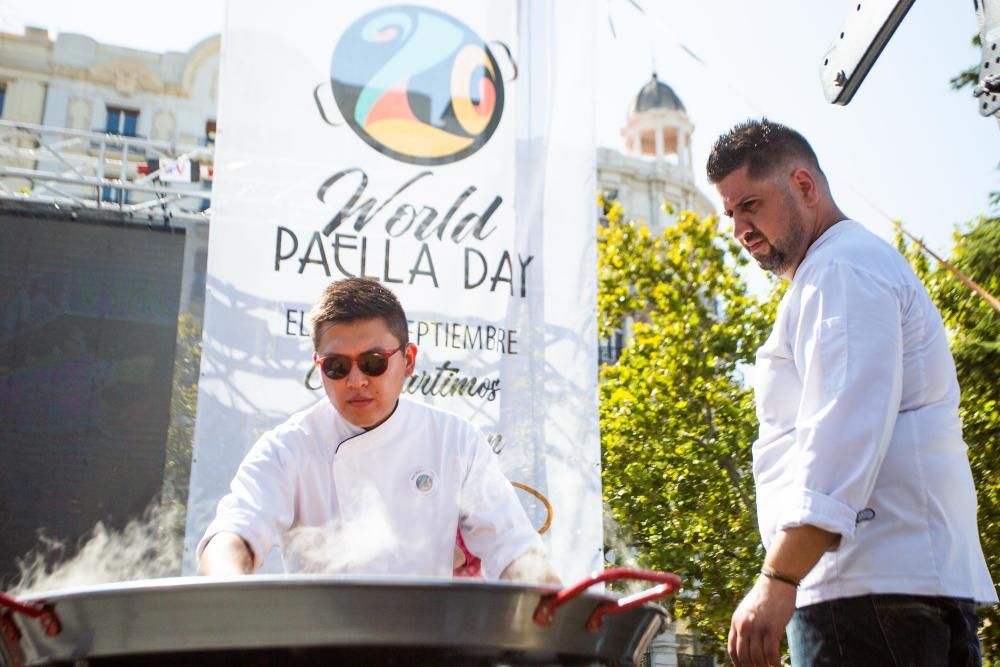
point(260, 505)
point(848, 354)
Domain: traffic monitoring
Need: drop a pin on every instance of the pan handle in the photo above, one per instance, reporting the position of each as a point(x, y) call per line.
point(45, 613)
point(668, 582)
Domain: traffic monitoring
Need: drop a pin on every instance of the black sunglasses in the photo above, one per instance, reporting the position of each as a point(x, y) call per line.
point(337, 366)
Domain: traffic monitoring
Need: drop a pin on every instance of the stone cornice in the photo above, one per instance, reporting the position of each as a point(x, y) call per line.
point(127, 77)
point(147, 84)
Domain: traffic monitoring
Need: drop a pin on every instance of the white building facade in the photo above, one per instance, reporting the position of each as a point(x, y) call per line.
point(653, 175)
point(77, 83)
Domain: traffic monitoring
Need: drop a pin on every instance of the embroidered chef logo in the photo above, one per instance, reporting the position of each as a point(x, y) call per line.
point(422, 481)
point(417, 85)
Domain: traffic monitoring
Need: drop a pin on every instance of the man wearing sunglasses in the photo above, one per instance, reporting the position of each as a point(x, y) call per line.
point(367, 482)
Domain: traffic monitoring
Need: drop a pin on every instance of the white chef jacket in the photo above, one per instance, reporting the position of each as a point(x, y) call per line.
point(857, 400)
point(384, 501)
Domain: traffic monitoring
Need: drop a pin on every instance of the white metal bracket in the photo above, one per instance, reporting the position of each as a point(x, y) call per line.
point(852, 53)
point(987, 90)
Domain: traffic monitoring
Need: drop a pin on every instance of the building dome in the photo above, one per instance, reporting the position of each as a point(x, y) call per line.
point(658, 126)
point(657, 95)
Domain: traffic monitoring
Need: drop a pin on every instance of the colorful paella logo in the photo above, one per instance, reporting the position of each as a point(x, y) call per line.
point(417, 85)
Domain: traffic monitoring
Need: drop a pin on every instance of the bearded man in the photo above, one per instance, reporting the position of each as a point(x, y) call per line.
point(865, 498)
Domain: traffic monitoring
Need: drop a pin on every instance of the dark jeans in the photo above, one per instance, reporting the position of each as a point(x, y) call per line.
point(886, 630)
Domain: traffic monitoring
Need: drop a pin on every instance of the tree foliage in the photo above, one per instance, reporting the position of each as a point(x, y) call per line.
point(974, 333)
point(974, 328)
point(677, 419)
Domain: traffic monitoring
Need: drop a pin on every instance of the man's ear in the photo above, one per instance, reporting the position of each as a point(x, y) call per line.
point(805, 186)
point(410, 355)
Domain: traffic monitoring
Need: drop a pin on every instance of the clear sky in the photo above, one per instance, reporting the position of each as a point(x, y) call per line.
point(907, 145)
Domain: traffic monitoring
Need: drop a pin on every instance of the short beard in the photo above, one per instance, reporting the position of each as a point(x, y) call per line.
point(785, 250)
point(777, 262)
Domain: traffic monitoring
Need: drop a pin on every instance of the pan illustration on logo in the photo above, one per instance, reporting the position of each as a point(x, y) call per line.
point(417, 85)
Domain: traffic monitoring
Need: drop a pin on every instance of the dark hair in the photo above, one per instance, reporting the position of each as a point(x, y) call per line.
point(762, 145)
point(354, 299)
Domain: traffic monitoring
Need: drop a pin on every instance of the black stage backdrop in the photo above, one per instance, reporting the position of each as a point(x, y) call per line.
point(88, 318)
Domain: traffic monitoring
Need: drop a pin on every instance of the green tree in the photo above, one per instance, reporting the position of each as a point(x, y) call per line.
point(677, 418)
point(975, 341)
point(974, 333)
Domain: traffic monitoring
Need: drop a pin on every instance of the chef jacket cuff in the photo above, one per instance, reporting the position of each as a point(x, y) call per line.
point(806, 507)
point(252, 538)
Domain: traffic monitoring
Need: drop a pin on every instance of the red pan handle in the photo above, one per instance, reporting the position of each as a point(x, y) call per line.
point(45, 613)
point(668, 582)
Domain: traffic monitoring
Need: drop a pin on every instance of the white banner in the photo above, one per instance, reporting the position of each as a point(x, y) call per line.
point(447, 151)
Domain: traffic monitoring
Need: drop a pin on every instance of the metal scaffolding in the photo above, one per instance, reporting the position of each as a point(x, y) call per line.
point(145, 180)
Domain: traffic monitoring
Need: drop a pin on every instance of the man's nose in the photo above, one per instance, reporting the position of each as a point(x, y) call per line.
point(355, 378)
point(741, 227)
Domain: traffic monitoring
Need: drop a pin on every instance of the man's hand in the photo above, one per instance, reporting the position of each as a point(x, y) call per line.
point(531, 567)
point(226, 555)
point(759, 622)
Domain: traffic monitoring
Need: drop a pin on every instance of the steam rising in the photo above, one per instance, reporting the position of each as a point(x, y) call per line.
point(146, 548)
point(621, 552)
point(343, 546)
point(152, 546)
point(366, 543)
